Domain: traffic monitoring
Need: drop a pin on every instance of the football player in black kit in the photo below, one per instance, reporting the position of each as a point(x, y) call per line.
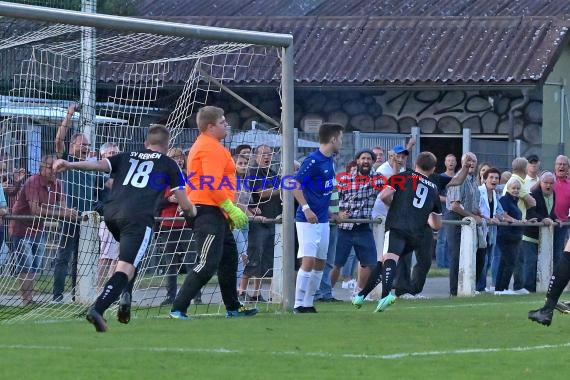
point(129, 212)
point(414, 211)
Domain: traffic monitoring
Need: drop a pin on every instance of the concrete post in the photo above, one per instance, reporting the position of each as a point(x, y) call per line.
point(468, 249)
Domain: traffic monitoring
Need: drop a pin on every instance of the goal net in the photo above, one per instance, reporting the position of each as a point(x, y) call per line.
point(57, 95)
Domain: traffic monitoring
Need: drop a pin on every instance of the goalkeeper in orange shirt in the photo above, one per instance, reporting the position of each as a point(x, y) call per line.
point(211, 185)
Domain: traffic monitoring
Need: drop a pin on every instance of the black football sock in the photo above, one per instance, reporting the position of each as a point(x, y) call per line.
point(388, 273)
point(374, 279)
point(558, 281)
point(131, 284)
point(111, 292)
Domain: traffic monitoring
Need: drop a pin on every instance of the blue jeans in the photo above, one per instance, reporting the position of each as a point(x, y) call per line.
point(349, 268)
point(453, 234)
point(495, 260)
point(441, 249)
point(509, 256)
point(70, 232)
point(29, 252)
point(487, 263)
point(361, 238)
point(529, 257)
point(325, 289)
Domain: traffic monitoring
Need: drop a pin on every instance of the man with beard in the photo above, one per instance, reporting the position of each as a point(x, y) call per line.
point(358, 191)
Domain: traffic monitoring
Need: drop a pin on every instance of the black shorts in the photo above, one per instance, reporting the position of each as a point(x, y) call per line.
point(402, 242)
point(134, 238)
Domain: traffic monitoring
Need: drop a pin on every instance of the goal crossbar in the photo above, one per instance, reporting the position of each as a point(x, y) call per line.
point(283, 41)
point(132, 24)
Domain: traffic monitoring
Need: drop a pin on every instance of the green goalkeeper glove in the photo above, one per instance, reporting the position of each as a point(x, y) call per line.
point(238, 218)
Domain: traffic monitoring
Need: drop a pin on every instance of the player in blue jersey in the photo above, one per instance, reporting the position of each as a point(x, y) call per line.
point(313, 189)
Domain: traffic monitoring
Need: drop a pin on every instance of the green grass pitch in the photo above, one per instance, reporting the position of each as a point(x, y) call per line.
point(485, 337)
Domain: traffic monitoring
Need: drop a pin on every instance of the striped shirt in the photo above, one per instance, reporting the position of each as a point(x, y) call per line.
point(467, 194)
point(357, 197)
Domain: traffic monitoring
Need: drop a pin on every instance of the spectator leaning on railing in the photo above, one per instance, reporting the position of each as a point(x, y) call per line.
point(542, 212)
point(492, 212)
point(462, 201)
point(509, 239)
point(562, 204)
point(41, 196)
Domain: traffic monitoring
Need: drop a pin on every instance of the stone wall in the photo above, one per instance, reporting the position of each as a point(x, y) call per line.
point(394, 111)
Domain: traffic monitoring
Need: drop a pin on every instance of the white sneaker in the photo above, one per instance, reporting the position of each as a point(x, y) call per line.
point(420, 296)
point(490, 289)
point(504, 293)
point(522, 292)
point(407, 296)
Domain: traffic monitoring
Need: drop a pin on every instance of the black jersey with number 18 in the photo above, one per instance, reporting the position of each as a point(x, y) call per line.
point(415, 198)
point(139, 180)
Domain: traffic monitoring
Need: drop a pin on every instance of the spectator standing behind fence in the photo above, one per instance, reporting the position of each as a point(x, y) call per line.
point(562, 204)
point(441, 249)
point(265, 196)
point(176, 237)
point(481, 169)
point(41, 196)
point(80, 189)
point(379, 152)
point(243, 196)
point(492, 212)
point(356, 202)
point(3, 211)
point(542, 212)
point(509, 238)
point(396, 164)
point(12, 185)
point(532, 170)
point(505, 176)
point(462, 201)
point(217, 216)
point(519, 167)
point(108, 246)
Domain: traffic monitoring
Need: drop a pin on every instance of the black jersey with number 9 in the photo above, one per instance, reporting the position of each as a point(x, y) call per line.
point(415, 198)
point(139, 180)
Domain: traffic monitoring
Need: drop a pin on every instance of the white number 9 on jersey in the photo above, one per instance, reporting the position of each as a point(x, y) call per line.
point(420, 196)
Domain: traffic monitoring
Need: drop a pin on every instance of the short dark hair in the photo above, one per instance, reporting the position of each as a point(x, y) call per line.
point(241, 147)
point(489, 171)
point(329, 130)
point(157, 134)
point(426, 161)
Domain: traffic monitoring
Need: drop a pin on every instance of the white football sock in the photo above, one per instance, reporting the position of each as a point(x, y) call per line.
point(314, 284)
point(303, 279)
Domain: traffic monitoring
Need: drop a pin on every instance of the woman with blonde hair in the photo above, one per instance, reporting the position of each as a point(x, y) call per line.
point(509, 237)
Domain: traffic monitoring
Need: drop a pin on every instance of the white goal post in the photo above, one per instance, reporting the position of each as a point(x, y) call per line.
point(280, 41)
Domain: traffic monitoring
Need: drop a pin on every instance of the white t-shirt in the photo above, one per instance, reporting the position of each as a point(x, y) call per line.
point(380, 209)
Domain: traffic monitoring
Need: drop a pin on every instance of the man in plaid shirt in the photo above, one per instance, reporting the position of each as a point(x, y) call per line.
point(358, 191)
